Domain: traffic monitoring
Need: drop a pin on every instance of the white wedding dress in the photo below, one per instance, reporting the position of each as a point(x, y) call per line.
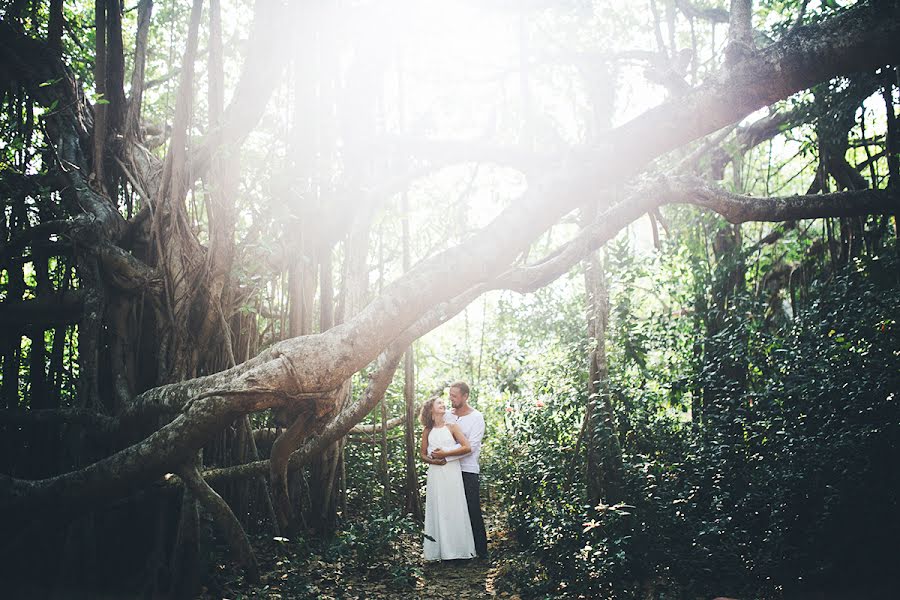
point(446, 516)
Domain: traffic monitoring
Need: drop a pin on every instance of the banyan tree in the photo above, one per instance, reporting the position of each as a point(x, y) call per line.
point(191, 325)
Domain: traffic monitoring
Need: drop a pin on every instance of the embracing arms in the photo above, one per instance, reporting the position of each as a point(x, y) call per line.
point(423, 450)
point(463, 448)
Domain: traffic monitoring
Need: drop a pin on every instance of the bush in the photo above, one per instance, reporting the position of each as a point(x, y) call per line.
point(378, 548)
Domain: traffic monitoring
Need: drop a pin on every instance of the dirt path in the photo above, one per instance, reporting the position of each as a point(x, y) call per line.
point(469, 579)
point(462, 579)
point(457, 579)
point(291, 573)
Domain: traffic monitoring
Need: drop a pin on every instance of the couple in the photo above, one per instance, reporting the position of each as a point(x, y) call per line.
point(451, 443)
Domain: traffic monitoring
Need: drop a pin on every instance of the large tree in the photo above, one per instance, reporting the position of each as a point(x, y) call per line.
point(167, 362)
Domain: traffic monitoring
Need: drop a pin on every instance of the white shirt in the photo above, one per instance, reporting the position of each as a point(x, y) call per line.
point(472, 426)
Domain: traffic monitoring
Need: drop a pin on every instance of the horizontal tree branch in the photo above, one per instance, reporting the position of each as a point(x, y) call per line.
point(858, 39)
point(353, 413)
point(376, 427)
point(63, 308)
point(68, 416)
point(267, 435)
point(740, 209)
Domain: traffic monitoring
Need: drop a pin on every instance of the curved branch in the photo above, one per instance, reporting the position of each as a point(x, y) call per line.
point(379, 380)
point(858, 39)
point(285, 444)
point(224, 517)
point(689, 190)
point(140, 464)
point(127, 273)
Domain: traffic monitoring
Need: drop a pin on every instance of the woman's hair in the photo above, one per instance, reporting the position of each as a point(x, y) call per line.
point(425, 415)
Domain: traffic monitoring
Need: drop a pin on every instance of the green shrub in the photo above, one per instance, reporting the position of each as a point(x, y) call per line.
point(378, 548)
point(790, 487)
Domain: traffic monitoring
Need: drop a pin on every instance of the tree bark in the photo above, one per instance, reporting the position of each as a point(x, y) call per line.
point(740, 31)
point(132, 125)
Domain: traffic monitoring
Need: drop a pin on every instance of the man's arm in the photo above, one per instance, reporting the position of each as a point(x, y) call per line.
point(475, 438)
point(461, 447)
point(455, 456)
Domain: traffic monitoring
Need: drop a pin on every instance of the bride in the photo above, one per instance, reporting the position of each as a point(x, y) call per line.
point(448, 531)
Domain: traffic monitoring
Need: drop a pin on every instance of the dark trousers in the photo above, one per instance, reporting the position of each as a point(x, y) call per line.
point(472, 486)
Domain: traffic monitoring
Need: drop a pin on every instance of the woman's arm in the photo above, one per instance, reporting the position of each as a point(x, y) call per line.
point(423, 451)
point(460, 437)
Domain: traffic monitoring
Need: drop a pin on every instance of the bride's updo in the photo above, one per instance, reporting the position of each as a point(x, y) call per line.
point(425, 415)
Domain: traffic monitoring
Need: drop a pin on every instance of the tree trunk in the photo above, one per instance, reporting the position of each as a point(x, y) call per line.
point(601, 442)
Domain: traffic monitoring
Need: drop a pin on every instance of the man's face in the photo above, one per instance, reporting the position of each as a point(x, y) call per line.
point(457, 398)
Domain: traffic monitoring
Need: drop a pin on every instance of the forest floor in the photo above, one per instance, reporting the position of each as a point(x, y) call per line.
point(291, 572)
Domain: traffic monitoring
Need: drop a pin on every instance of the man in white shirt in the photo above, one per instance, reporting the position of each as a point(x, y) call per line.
point(471, 422)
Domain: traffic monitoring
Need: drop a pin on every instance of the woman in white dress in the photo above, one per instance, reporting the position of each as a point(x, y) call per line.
point(448, 531)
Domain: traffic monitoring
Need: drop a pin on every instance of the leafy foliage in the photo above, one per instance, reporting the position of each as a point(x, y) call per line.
point(373, 547)
point(805, 492)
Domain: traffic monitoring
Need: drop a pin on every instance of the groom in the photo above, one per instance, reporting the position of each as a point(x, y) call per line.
point(471, 422)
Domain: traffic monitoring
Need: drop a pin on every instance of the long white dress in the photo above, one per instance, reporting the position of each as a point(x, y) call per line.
point(446, 514)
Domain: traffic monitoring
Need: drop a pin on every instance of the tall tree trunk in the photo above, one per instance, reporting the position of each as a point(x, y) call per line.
point(602, 448)
point(55, 26)
point(101, 107)
point(892, 142)
point(413, 501)
point(132, 124)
